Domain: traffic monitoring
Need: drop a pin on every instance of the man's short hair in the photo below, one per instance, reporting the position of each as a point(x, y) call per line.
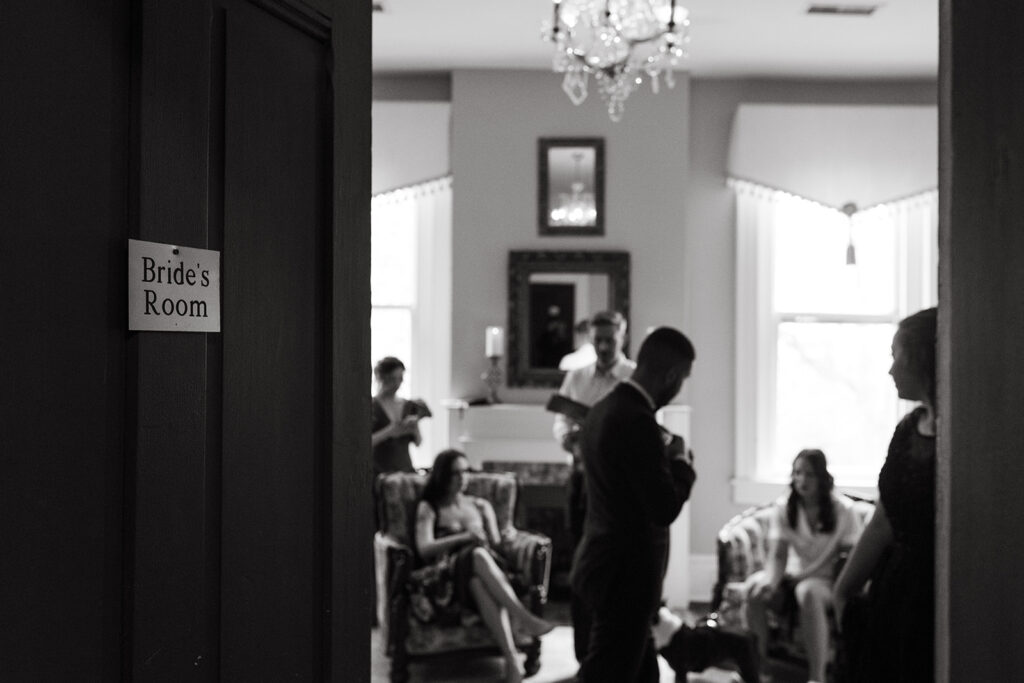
point(664, 348)
point(608, 318)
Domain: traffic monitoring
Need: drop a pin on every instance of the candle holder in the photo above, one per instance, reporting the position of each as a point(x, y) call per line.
point(492, 378)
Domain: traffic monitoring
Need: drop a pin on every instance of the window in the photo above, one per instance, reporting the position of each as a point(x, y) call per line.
point(393, 284)
point(814, 332)
point(410, 293)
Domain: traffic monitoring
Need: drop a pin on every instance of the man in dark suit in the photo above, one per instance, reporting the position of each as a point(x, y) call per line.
point(636, 487)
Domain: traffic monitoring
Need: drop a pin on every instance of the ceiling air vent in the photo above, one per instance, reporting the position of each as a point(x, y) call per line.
point(855, 10)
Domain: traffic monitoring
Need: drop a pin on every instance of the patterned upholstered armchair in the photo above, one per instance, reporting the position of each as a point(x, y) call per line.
point(407, 638)
point(743, 550)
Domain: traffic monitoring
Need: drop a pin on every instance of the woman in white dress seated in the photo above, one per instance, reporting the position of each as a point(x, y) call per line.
point(807, 531)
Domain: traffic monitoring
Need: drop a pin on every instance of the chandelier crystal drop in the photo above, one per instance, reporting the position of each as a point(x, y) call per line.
point(619, 42)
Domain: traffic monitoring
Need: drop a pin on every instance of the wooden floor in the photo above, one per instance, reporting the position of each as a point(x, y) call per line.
point(558, 663)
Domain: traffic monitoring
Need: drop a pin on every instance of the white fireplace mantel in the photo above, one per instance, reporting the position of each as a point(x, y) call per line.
point(502, 432)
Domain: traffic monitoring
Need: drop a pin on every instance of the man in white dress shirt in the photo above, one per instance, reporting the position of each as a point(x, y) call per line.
point(588, 385)
point(584, 353)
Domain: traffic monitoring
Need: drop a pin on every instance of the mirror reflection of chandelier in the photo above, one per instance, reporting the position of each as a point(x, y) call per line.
point(576, 208)
point(619, 42)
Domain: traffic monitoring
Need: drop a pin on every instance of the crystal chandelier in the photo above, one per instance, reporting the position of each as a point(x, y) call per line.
point(576, 208)
point(619, 42)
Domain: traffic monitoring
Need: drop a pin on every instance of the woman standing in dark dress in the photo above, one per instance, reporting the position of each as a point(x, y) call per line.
point(395, 420)
point(890, 637)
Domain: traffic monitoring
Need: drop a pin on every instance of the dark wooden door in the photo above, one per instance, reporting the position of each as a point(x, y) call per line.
point(277, 169)
point(181, 506)
point(230, 568)
point(64, 66)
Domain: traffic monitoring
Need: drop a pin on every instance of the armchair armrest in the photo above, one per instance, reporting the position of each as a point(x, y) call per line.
point(392, 556)
point(529, 558)
point(393, 562)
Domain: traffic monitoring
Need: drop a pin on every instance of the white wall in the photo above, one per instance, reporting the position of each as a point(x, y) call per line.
point(410, 143)
point(497, 117)
point(834, 154)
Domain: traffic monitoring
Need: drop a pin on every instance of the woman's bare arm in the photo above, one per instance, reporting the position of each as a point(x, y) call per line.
point(406, 425)
point(775, 567)
point(428, 546)
point(866, 554)
point(383, 434)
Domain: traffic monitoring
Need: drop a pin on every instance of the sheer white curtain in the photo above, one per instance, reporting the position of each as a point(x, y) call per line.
point(756, 207)
point(411, 293)
point(916, 221)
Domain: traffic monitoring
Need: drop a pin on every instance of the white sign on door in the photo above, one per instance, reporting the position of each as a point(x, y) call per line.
point(172, 288)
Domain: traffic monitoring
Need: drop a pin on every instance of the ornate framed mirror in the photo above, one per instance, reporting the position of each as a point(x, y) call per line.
point(550, 292)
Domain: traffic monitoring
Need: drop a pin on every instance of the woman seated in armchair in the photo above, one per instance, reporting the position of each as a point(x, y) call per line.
point(457, 534)
point(815, 524)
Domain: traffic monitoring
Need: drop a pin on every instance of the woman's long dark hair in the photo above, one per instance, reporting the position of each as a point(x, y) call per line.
point(826, 513)
point(917, 334)
point(440, 478)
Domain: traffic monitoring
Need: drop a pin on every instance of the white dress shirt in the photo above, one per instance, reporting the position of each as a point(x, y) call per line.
point(581, 357)
point(588, 385)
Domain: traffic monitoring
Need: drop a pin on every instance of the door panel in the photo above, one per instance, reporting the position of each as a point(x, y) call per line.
point(64, 67)
point(173, 503)
point(229, 495)
point(276, 192)
point(171, 508)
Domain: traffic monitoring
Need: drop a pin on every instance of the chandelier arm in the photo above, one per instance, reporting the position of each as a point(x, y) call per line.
point(622, 63)
point(610, 69)
point(640, 41)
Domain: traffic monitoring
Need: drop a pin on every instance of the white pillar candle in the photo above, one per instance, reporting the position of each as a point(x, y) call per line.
point(494, 342)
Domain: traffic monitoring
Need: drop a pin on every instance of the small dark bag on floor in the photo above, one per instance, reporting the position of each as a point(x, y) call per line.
point(695, 649)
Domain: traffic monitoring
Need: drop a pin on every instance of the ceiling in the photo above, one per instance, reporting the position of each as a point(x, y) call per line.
point(729, 38)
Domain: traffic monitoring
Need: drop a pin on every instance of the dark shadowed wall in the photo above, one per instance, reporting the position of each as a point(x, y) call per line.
point(64, 129)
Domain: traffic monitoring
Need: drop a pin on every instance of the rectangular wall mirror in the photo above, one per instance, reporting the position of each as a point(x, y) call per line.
point(570, 188)
point(549, 293)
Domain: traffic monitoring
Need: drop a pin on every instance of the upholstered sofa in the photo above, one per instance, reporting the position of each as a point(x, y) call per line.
point(405, 637)
point(742, 550)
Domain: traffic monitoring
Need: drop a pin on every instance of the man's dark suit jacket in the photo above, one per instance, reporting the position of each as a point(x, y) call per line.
point(634, 492)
